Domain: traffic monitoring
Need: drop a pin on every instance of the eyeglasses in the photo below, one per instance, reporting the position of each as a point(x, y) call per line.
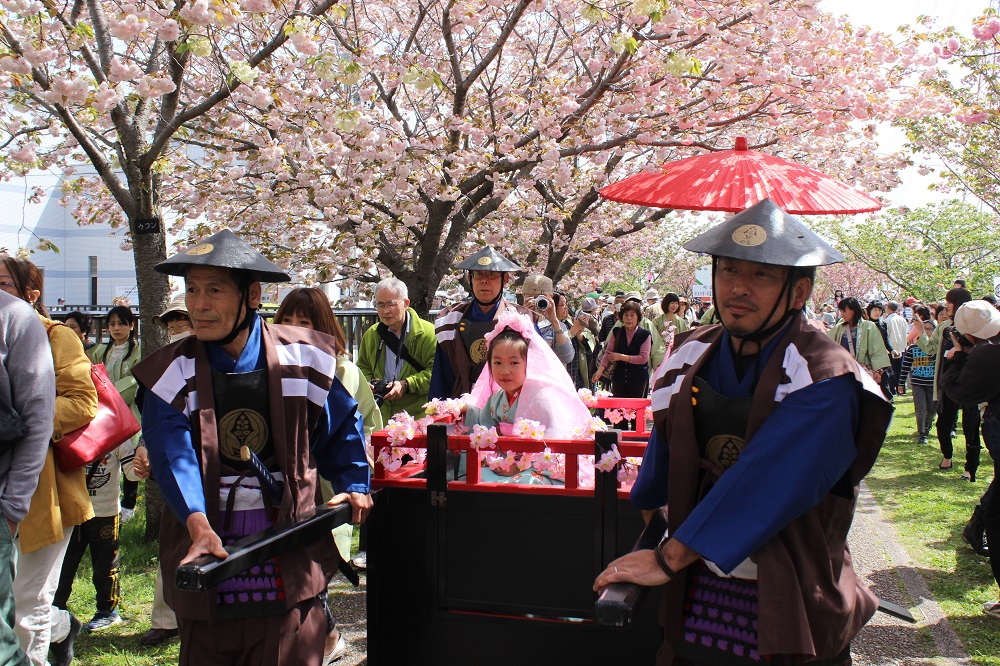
point(386, 305)
point(485, 275)
point(8, 286)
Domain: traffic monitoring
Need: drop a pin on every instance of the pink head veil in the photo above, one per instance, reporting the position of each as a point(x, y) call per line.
point(548, 395)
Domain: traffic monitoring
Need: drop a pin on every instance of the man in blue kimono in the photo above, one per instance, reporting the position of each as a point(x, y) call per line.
point(764, 427)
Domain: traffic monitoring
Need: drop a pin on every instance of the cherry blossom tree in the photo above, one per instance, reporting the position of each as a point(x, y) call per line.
point(115, 85)
point(851, 277)
point(369, 136)
point(917, 251)
point(419, 130)
point(965, 140)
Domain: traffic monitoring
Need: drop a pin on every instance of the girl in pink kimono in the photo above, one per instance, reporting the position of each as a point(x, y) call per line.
point(523, 379)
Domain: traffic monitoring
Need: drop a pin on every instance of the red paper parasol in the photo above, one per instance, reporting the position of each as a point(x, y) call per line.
point(734, 180)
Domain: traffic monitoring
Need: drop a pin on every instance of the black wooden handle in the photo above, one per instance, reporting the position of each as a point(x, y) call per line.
point(618, 602)
point(256, 549)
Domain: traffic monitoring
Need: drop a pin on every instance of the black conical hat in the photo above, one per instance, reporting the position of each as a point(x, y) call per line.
point(488, 259)
point(225, 250)
point(766, 234)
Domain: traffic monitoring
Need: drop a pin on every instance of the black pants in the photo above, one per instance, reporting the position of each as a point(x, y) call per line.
point(130, 493)
point(991, 501)
point(946, 423)
point(101, 534)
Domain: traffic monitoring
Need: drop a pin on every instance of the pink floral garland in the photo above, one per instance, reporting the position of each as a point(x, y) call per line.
point(402, 428)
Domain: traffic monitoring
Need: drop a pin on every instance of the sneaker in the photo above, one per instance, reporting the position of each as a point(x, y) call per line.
point(62, 652)
point(992, 608)
point(922, 440)
point(360, 561)
point(338, 651)
point(102, 620)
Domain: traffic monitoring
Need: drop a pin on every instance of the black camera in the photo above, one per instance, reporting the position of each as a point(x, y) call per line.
point(952, 333)
point(380, 388)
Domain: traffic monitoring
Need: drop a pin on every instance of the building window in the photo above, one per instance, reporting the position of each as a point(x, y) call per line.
point(93, 280)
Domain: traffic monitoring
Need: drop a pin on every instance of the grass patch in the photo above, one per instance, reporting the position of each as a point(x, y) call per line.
point(929, 508)
point(118, 645)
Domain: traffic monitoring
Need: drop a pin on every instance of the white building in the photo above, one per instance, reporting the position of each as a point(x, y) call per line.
point(90, 267)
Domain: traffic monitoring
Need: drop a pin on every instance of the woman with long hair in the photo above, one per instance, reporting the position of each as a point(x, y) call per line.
point(101, 534)
point(861, 338)
point(309, 307)
point(61, 500)
point(118, 356)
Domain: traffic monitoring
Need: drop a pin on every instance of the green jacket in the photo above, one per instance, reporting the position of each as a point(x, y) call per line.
point(680, 323)
point(932, 347)
point(870, 345)
point(421, 343)
point(120, 373)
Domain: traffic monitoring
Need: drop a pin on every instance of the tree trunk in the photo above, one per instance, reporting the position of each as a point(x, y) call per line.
point(154, 289)
point(154, 293)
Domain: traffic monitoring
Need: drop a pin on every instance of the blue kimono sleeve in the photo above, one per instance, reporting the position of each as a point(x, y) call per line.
point(787, 467)
point(167, 434)
point(650, 488)
point(442, 376)
point(338, 443)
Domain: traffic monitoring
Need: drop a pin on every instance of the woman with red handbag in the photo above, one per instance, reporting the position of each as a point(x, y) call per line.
point(104, 482)
point(61, 501)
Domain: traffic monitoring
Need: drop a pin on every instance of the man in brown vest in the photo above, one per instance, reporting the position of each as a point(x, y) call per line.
point(238, 382)
point(764, 428)
point(460, 328)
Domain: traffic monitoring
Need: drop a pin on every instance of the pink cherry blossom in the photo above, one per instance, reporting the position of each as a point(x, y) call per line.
point(169, 31)
point(609, 460)
point(127, 29)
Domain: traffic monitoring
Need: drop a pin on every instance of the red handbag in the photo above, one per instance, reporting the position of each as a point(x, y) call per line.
point(113, 424)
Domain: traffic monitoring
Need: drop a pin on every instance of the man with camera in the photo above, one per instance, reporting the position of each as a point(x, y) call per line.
point(537, 293)
point(582, 334)
point(397, 353)
point(969, 378)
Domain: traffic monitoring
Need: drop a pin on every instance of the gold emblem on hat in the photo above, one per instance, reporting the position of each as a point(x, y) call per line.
point(484, 261)
point(477, 351)
point(749, 235)
point(200, 248)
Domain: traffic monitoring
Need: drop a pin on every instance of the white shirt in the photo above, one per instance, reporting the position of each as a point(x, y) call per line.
point(104, 485)
point(896, 327)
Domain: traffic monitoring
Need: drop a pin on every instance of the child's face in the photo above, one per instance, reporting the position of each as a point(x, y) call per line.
point(508, 366)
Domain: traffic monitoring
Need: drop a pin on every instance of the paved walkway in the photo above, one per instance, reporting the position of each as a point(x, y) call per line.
point(890, 574)
point(878, 559)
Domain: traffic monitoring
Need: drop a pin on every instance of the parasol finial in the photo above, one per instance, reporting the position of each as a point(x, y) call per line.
point(741, 143)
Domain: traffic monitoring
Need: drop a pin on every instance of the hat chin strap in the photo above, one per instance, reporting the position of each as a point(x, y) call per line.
point(762, 333)
point(239, 326)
